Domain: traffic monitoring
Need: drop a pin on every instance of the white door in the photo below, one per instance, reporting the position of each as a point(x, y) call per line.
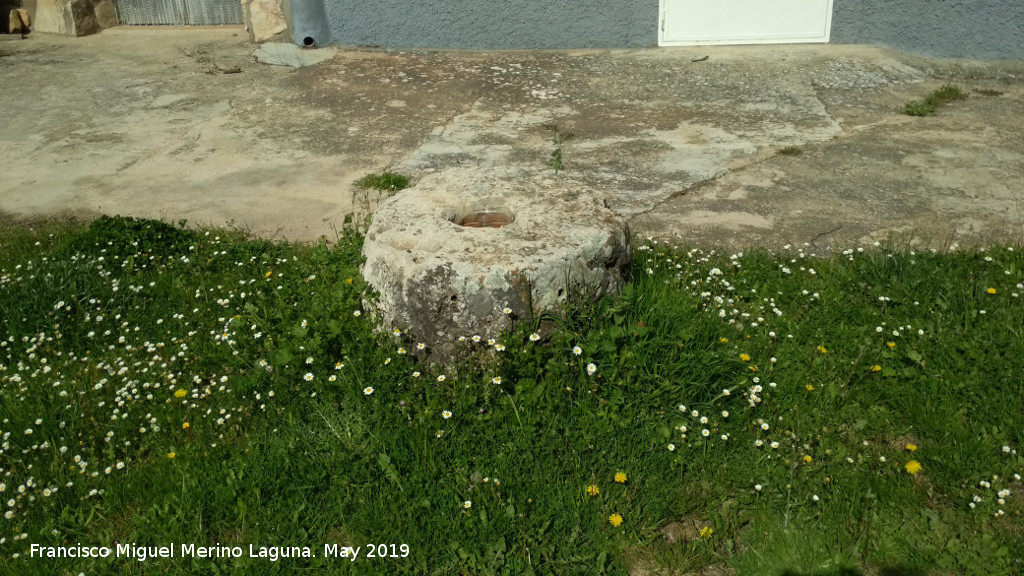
point(695, 22)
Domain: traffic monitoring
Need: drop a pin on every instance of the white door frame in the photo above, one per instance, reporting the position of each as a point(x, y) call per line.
point(663, 14)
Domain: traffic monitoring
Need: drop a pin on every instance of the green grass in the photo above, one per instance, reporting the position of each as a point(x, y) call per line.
point(117, 335)
point(367, 194)
point(918, 109)
point(939, 97)
point(386, 181)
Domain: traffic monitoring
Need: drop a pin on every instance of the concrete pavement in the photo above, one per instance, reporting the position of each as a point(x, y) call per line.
point(185, 124)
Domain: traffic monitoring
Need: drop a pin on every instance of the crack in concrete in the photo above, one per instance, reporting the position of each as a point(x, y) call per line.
point(700, 185)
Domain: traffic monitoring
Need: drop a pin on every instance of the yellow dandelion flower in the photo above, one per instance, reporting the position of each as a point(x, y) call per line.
point(752, 368)
point(706, 532)
point(723, 340)
point(822, 349)
point(809, 387)
point(620, 477)
point(913, 467)
point(349, 280)
point(268, 274)
point(876, 368)
point(745, 357)
point(171, 455)
point(179, 393)
point(807, 459)
point(185, 425)
point(593, 490)
point(911, 447)
point(991, 290)
point(615, 520)
point(890, 344)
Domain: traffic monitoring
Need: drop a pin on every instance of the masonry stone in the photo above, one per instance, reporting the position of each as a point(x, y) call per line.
point(74, 17)
point(265, 20)
point(450, 255)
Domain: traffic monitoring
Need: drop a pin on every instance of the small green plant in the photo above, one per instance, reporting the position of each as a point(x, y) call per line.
point(790, 151)
point(947, 93)
point(369, 192)
point(940, 97)
point(387, 181)
point(555, 161)
point(916, 108)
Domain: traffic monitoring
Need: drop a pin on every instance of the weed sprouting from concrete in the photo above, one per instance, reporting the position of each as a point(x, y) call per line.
point(918, 109)
point(387, 181)
point(369, 192)
point(790, 151)
point(555, 161)
point(947, 93)
point(940, 97)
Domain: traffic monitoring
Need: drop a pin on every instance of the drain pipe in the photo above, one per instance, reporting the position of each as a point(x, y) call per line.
point(309, 23)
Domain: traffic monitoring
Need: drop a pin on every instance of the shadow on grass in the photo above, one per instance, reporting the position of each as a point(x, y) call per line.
point(836, 572)
point(902, 571)
point(883, 571)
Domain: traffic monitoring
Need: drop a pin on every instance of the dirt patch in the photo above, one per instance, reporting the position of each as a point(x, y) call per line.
point(664, 557)
point(682, 531)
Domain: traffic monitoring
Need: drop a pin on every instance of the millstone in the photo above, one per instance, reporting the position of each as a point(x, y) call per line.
point(450, 255)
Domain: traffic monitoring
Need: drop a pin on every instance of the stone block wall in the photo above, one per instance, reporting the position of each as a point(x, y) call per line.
point(267, 20)
point(73, 17)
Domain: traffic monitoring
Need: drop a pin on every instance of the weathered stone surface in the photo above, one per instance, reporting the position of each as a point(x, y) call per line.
point(19, 22)
point(440, 280)
point(265, 20)
point(50, 17)
point(74, 17)
point(106, 15)
point(83, 17)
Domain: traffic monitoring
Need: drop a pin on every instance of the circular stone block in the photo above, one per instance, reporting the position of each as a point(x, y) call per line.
point(449, 255)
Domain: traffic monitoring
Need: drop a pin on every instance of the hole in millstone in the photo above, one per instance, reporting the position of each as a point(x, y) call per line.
point(308, 41)
point(485, 215)
point(454, 298)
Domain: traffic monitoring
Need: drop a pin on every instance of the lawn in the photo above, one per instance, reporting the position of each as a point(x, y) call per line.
point(231, 400)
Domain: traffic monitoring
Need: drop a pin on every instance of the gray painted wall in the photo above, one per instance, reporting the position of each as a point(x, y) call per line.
point(498, 24)
point(309, 22)
point(985, 29)
point(980, 29)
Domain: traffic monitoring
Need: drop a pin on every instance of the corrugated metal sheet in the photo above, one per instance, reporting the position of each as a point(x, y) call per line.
point(179, 12)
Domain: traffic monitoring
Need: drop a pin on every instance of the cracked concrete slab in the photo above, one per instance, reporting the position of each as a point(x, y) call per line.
point(184, 124)
point(957, 177)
